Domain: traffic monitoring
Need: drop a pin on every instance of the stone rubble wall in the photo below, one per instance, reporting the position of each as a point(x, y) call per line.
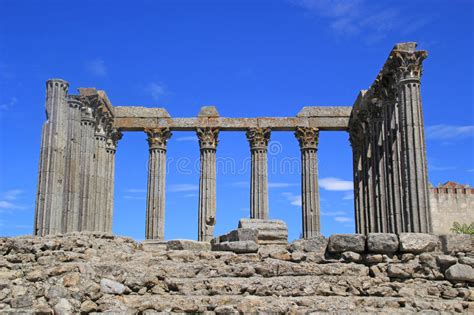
point(93, 272)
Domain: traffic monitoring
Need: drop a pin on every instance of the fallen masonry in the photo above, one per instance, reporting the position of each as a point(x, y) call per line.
point(98, 272)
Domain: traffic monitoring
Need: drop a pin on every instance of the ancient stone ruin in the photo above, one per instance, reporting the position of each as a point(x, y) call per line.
point(73, 264)
point(385, 126)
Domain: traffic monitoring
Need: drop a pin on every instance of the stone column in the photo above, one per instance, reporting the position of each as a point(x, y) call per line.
point(258, 139)
point(308, 140)
point(407, 67)
point(207, 183)
point(73, 168)
point(356, 140)
point(88, 148)
point(99, 192)
point(50, 201)
point(155, 210)
point(113, 136)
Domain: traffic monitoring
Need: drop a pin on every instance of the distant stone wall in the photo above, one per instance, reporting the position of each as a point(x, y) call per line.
point(380, 273)
point(449, 204)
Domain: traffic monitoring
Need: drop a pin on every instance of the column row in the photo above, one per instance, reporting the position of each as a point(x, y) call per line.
point(208, 139)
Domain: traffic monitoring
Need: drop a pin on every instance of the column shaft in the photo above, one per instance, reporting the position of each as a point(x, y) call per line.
point(207, 183)
point(258, 139)
point(50, 201)
point(155, 222)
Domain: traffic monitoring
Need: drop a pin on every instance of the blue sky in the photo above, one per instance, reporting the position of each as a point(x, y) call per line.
point(248, 58)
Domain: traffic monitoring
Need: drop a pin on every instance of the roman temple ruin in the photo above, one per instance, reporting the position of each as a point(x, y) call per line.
point(385, 127)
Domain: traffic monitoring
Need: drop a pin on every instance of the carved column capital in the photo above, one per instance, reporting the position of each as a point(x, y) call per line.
point(208, 137)
point(407, 65)
point(258, 138)
point(113, 136)
point(308, 137)
point(356, 136)
point(158, 137)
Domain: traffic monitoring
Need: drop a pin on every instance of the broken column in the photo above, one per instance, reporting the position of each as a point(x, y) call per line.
point(308, 140)
point(50, 198)
point(258, 139)
point(207, 183)
point(155, 210)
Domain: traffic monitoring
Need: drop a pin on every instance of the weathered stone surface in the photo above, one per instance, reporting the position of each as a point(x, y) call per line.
point(453, 243)
point(269, 231)
point(417, 242)
point(383, 243)
point(446, 261)
point(188, 245)
point(208, 111)
point(460, 272)
point(329, 111)
point(111, 287)
point(339, 243)
point(270, 280)
point(241, 234)
point(140, 112)
point(314, 244)
point(236, 247)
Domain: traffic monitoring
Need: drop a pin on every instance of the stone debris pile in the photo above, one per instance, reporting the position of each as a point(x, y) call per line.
point(97, 272)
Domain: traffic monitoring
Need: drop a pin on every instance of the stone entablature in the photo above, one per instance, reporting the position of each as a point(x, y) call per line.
point(385, 125)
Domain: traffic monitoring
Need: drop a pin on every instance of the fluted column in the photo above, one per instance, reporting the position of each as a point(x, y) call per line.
point(207, 183)
point(73, 168)
point(99, 176)
point(50, 197)
point(113, 137)
point(155, 210)
point(258, 139)
point(308, 140)
point(407, 69)
point(88, 148)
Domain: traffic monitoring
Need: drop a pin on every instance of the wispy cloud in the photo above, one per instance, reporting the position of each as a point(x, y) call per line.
point(348, 196)
point(336, 184)
point(371, 21)
point(136, 190)
point(97, 67)
point(9, 198)
point(9, 104)
point(23, 227)
point(190, 195)
point(187, 138)
point(156, 89)
point(130, 197)
point(294, 200)
point(449, 132)
point(281, 185)
point(182, 187)
point(343, 219)
point(333, 213)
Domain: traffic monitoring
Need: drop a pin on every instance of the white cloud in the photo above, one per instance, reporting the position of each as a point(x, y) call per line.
point(6, 205)
point(134, 197)
point(348, 196)
point(9, 104)
point(281, 185)
point(23, 227)
point(343, 219)
point(156, 89)
point(12, 194)
point(333, 213)
point(294, 200)
point(449, 132)
point(370, 21)
point(190, 195)
point(182, 187)
point(336, 184)
point(187, 138)
point(97, 67)
point(136, 190)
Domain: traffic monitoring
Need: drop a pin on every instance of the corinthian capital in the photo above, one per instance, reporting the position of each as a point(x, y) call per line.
point(308, 137)
point(158, 137)
point(113, 136)
point(407, 65)
point(258, 138)
point(208, 137)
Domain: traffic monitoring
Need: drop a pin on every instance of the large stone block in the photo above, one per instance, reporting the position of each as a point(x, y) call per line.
point(188, 245)
point(239, 235)
point(417, 243)
point(239, 247)
point(459, 272)
point(453, 243)
point(269, 231)
point(382, 243)
point(314, 244)
point(339, 243)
